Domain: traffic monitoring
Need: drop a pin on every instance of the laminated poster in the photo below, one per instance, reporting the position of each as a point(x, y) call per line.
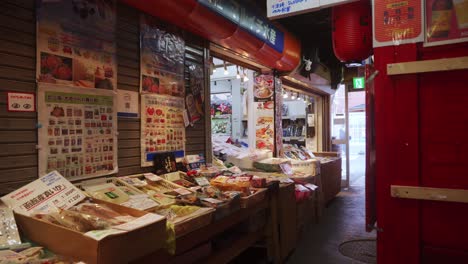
point(76, 43)
point(77, 134)
point(162, 59)
point(263, 88)
point(162, 126)
point(48, 192)
point(264, 126)
point(194, 98)
point(397, 22)
point(446, 22)
point(279, 117)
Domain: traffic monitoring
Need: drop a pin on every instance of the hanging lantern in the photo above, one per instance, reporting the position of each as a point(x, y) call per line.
point(352, 31)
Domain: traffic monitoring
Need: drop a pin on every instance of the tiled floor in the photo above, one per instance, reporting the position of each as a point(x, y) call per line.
point(343, 220)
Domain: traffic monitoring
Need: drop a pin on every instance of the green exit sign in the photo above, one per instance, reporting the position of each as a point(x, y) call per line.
point(359, 83)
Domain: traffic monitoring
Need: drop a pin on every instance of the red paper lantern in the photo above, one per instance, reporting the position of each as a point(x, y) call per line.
point(352, 31)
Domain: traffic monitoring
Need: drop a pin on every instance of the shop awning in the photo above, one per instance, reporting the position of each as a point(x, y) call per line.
point(232, 25)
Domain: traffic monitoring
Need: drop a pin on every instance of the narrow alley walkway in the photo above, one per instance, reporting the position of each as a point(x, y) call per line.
point(343, 220)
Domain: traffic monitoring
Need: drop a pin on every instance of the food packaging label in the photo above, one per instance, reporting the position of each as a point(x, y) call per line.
point(202, 181)
point(140, 202)
point(212, 200)
point(182, 191)
point(100, 234)
point(172, 176)
point(152, 177)
point(48, 192)
point(311, 186)
point(142, 221)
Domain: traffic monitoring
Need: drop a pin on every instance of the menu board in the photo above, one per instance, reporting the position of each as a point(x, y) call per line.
point(76, 43)
point(397, 22)
point(162, 126)
point(162, 59)
point(446, 21)
point(78, 129)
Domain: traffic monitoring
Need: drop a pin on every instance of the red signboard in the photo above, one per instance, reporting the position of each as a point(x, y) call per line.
point(397, 22)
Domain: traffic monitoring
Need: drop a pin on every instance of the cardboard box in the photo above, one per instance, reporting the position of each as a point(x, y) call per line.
point(118, 248)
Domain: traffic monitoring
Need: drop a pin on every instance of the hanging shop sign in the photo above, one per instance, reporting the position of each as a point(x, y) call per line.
point(248, 20)
point(397, 22)
point(162, 126)
point(359, 83)
point(76, 44)
point(446, 22)
point(162, 59)
point(282, 8)
point(264, 88)
point(21, 102)
point(77, 136)
point(127, 103)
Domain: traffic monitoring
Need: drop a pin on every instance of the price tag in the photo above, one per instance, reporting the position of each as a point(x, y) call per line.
point(182, 191)
point(152, 177)
point(212, 200)
point(311, 186)
point(286, 168)
point(202, 181)
point(145, 220)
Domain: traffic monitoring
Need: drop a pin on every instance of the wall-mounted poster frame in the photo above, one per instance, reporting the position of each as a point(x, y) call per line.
point(76, 43)
point(77, 132)
point(162, 126)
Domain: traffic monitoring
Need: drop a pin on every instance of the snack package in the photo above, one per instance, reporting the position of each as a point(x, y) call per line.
point(76, 221)
point(9, 234)
point(103, 212)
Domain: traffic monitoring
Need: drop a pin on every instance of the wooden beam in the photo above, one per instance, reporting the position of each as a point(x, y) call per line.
point(450, 64)
point(432, 194)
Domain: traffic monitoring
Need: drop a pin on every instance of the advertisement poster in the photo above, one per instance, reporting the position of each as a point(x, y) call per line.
point(264, 126)
point(78, 133)
point(162, 126)
point(263, 88)
point(48, 192)
point(127, 103)
point(446, 22)
point(195, 96)
point(162, 59)
point(76, 43)
point(279, 117)
point(397, 22)
point(21, 102)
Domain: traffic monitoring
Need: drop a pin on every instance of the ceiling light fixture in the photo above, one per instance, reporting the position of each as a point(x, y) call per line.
point(285, 95)
point(238, 75)
point(225, 69)
point(293, 96)
point(245, 76)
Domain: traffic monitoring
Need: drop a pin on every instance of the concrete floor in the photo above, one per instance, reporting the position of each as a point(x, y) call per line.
point(343, 220)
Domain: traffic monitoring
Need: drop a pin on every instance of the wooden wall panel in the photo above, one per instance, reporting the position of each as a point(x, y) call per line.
point(18, 131)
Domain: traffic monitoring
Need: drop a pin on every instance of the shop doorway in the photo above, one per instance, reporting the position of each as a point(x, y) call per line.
point(348, 134)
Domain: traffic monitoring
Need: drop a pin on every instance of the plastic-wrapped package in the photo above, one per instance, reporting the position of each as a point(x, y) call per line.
point(107, 192)
point(104, 213)
point(8, 230)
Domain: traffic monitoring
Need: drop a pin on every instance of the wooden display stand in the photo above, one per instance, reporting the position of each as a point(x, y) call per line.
point(330, 175)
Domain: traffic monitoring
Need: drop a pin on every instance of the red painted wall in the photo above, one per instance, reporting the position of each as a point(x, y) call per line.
point(421, 139)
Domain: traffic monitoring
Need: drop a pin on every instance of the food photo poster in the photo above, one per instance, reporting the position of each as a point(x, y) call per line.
point(76, 43)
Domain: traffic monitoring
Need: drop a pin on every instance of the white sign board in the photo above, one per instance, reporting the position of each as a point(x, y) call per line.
point(127, 104)
point(48, 192)
point(285, 8)
point(21, 102)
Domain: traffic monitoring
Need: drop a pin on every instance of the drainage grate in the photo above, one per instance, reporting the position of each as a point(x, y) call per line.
point(364, 250)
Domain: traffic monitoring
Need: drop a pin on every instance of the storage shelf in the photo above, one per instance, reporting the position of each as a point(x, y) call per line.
point(294, 117)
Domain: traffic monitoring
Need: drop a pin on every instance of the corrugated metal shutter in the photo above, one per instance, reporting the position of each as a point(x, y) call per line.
point(18, 132)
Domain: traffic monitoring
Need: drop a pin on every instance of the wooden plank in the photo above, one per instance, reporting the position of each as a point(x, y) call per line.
point(129, 153)
point(130, 63)
point(12, 35)
point(11, 162)
point(18, 149)
point(22, 174)
point(18, 86)
point(128, 124)
point(13, 73)
point(431, 194)
point(122, 86)
point(123, 79)
point(128, 71)
point(29, 4)
point(123, 171)
point(124, 53)
point(18, 24)
point(127, 134)
point(127, 162)
point(5, 113)
point(17, 61)
point(10, 9)
point(450, 64)
point(17, 136)
point(11, 186)
point(17, 48)
point(16, 123)
point(129, 143)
